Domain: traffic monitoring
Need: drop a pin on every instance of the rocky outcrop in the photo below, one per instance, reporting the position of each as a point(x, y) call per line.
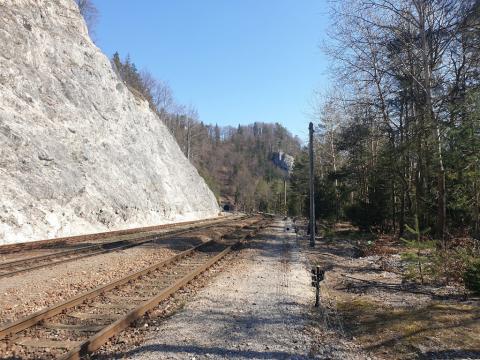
point(78, 151)
point(283, 161)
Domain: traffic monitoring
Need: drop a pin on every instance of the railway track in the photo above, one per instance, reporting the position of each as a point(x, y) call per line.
point(81, 325)
point(15, 267)
point(78, 239)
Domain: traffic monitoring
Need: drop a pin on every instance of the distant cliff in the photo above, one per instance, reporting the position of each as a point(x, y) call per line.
point(78, 151)
point(283, 161)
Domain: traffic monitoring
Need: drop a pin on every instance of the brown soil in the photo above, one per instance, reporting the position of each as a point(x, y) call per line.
point(367, 300)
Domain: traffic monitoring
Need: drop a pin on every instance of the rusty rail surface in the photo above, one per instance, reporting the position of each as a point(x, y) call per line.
point(15, 267)
point(49, 243)
point(83, 318)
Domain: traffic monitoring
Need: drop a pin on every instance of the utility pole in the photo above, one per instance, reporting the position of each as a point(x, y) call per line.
point(312, 190)
point(285, 198)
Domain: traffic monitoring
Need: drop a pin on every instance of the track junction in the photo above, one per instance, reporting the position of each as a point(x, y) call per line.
point(78, 326)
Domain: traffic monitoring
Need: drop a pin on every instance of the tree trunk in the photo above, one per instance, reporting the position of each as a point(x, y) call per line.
point(334, 161)
point(427, 84)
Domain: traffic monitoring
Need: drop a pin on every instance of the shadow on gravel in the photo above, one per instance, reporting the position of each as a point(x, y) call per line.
point(358, 286)
point(452, 354)
point(246, 325)
point(387, 316)
point(178, 243)
point(156, 349)
point(267, 243)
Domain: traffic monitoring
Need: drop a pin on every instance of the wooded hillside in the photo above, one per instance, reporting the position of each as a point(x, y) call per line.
point(236, 162)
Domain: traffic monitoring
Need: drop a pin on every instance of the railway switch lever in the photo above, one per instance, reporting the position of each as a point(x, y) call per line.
point(318, 275)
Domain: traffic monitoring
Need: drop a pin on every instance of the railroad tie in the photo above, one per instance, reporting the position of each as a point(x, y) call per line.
point(45, 343)
point(114, 306)
point(119, 304)
point(129, 299)
point(72, 327)
point(90, 316)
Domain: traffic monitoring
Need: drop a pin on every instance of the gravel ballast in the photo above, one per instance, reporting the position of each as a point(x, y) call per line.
point(28, 292)
point(255, 309)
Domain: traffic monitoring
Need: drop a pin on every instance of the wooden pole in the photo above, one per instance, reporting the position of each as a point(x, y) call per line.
point(312, 190)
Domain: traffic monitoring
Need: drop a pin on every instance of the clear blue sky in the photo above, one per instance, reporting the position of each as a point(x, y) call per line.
point(236, 61)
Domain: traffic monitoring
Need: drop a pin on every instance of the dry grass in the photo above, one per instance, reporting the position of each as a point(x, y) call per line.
point(385, 317)
point(403, 333)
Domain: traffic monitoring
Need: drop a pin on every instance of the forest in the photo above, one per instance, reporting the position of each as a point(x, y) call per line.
point(397, 137)
point(236, 162)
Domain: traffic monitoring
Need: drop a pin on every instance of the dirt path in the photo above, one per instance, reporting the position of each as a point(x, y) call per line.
point(254, 310)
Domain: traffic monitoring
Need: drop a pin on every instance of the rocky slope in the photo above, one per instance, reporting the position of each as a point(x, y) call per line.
point(78, 151)
point(283, 161)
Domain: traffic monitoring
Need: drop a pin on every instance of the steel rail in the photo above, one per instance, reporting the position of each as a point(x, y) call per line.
point(101, 248)
point(49, 243)
point(44, 314)
point(95, 341)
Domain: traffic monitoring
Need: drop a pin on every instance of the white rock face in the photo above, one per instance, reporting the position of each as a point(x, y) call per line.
point(79, 152)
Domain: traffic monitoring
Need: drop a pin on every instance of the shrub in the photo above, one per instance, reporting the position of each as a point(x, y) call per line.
point(471, 277)
point(417, 252)
point(365, 215)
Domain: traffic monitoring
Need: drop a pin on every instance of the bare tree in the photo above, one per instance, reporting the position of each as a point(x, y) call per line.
point(402, 65)
point(89, 12)
point(192, 119)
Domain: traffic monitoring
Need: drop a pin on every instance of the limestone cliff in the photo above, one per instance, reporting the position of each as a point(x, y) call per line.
point(283, 161)
point(78, 151)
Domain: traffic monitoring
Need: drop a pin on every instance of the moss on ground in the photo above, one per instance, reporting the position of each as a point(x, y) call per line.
point(403, 332)
point(391, 322)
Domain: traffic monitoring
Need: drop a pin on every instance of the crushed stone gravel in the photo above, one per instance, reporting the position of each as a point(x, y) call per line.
point(22, 295)
point(259, 308)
